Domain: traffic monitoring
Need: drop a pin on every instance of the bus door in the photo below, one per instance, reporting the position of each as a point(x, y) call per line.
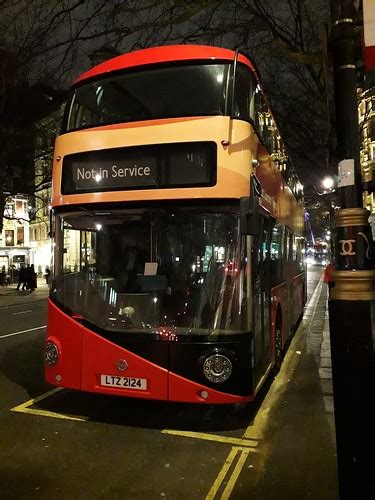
point(262, 297)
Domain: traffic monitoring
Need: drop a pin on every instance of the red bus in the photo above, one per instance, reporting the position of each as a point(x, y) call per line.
point(321, 253)
point(178, 231)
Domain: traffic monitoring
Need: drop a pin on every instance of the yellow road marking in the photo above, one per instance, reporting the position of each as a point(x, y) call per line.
point(25, 408)
point(233, 478)
point(244, 452)
point(250, 443)
point(221, 476)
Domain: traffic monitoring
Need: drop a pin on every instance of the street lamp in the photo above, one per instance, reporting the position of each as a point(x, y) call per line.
point(328, 183)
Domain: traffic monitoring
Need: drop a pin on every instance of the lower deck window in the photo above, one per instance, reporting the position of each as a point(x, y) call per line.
point(146, 270)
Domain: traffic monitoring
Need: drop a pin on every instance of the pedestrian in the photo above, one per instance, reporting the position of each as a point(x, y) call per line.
point(328, 278)
point(47, 274)
point(25, 281)
point(21, 276)
point(31, 278)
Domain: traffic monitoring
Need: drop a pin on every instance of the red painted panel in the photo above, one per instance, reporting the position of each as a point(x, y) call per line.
point(67, 333)
point(166, 53)
point(298, 286)
point(100, 357)
point(184, 390)
point(370, 58)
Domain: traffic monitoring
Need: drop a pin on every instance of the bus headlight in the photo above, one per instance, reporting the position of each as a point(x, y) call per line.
point(51, 353)
point(217, 368)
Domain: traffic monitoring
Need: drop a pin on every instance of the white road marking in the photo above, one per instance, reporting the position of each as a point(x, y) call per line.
point(22, 331)
point(23, 312)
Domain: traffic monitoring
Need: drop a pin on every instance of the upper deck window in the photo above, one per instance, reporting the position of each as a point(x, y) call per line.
point(159, 92)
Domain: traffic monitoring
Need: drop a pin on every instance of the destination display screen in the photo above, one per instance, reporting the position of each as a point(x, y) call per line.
point(140, 167)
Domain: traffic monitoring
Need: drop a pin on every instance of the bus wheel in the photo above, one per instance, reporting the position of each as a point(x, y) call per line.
point(278, 345)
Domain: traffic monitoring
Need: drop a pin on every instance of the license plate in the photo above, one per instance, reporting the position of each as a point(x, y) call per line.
point(138, 384)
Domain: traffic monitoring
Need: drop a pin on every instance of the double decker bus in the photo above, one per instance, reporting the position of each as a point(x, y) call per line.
point(321, 253)
point(178, 231)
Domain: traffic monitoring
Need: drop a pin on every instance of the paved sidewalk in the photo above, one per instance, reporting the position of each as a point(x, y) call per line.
point(10, 296)
point(318, 344)
point(302, 463)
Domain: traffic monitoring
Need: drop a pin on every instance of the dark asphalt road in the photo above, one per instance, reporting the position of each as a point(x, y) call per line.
point(132, 449)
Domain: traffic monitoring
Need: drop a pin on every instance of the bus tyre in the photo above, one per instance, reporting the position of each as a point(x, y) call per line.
point(278, 345)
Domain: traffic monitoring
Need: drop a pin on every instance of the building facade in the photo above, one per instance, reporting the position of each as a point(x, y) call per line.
point(15, 247)
point(40, 240)
point(367, 129)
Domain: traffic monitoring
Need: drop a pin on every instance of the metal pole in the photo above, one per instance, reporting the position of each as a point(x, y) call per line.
point(351, 306)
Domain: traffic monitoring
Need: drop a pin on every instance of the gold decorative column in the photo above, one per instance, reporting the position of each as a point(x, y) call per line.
point(354, 276)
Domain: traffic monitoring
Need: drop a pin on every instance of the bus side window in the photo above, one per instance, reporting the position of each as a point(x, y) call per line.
point(288, 252)
point(244, 92)
point(265, 124)
point(263, 120)
point(292, 249)
point(276, 263)
point(300, 256)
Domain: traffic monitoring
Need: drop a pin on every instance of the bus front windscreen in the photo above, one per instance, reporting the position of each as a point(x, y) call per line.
point(177, 272)
point(159, 92)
